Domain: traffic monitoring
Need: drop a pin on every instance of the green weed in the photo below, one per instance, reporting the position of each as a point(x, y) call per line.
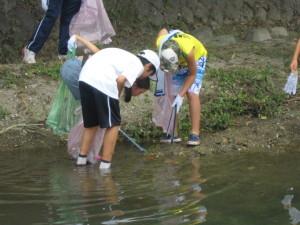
point(237, 92)
point(3, 113)
point(240, 91)
point(51, 69)
point(18, 74)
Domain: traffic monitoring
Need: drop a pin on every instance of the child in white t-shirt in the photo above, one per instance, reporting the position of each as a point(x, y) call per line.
point(101, 81)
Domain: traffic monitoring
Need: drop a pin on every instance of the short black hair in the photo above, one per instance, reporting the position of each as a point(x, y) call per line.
point(146, 61)
point(141, 83)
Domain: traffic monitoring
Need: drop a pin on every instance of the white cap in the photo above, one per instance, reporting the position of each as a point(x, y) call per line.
point(169, 60)
point(151, 56)
point(169, 55)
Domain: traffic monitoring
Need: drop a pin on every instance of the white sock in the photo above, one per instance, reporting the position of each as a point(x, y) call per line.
point(81, 160)
point(104, 165)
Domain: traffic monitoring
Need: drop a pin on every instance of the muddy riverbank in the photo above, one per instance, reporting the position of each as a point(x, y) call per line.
point(26, 93)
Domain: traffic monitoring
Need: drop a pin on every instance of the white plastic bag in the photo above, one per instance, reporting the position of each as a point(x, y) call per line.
point(72, 45)
point(45, 4)
point(74, 142)
point(92, 22)
point(291, 84)
point(162, 110)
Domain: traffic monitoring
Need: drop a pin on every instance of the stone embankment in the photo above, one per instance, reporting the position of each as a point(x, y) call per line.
point(140, 19)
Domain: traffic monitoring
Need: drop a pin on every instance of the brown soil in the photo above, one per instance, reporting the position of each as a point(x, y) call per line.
point(27, 99)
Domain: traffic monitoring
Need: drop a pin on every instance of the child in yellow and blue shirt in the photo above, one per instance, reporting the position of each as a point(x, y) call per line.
point(184, 56)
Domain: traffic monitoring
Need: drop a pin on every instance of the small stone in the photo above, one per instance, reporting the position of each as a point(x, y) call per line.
point(258, 35)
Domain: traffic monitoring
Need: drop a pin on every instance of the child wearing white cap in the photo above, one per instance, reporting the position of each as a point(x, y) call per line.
point(185, 57)
point(101, 81)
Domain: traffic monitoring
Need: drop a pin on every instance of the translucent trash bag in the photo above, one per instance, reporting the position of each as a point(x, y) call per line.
point(74, 142)
point(92, 22)
point(162, 110)
point(63, 115)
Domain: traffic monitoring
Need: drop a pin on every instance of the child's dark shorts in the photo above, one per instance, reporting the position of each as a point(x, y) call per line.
point(98, 109)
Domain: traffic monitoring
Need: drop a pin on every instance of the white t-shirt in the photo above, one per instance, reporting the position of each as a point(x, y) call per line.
point(102, 69)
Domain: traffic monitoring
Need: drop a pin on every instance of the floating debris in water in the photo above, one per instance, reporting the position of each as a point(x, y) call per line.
point(196, 187)
point(293, 212)
point(294, 215)
point(287, 201)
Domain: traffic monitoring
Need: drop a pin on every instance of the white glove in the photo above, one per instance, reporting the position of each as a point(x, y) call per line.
point(178, 103)
point(44, 5)
point(291, 85)
point(72, 45)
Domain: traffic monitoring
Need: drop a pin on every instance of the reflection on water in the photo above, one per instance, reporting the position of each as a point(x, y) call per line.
point(219, 189)
point(293, 212)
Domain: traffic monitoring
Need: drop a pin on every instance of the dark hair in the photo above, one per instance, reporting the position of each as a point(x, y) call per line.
point(145, 61)
point(141, 83)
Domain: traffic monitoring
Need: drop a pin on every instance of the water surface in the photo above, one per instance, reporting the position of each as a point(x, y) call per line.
point(42, 186)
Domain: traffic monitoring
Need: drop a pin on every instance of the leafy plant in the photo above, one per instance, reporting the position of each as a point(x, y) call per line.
point(237, 92)
point(240, 91)
point(3, 113)
point(51, 69)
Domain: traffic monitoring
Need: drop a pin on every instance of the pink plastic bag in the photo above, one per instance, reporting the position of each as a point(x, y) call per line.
point(92, 22)
point(74, 142)
point(163, 107)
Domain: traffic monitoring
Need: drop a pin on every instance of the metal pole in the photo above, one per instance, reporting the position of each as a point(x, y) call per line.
point(132, 141)
point(169, 123)
point(174, 123)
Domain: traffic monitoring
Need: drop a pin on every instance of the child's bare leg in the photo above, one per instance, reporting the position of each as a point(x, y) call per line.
point(87, 139)
point(195, 112)
point(109, 143)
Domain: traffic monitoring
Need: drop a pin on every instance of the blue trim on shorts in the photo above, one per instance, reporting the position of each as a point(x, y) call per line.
point(179, 78)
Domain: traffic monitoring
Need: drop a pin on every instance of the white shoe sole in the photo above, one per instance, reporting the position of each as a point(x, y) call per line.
point(168, 141)
point(193, 143)
point(81, 161)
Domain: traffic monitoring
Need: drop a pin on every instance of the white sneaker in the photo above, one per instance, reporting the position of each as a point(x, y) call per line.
point(81, 161)
point(29, 56)
point(104, 165)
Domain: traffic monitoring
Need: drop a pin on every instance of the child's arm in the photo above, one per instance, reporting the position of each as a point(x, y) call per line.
point(294, 63)
point(87, 44)
point(121, 83)
point(162, 32)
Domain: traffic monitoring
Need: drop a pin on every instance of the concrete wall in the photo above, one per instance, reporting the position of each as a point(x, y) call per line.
point(18, 18)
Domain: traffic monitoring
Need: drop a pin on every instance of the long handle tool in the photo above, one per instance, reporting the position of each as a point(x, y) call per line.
point(132, 141)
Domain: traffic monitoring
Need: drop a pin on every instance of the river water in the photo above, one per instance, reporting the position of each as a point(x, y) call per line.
point(42, 186)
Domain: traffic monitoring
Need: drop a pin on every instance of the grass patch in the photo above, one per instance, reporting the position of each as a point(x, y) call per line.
point(17, 74)
point(50, 69)
point(239, 92)
point(3, 113)
point(143, 130)
point(236, 92)
point(8, 80)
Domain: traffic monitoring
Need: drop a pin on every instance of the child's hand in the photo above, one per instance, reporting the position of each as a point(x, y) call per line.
point(178, 103)
point(294, 65)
